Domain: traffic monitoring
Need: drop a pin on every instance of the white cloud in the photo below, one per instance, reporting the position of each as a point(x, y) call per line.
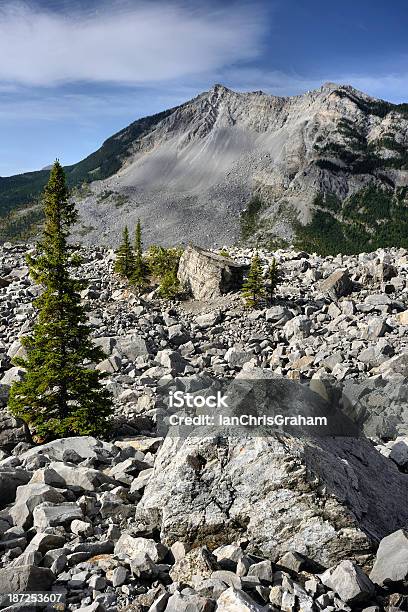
point(146, 43)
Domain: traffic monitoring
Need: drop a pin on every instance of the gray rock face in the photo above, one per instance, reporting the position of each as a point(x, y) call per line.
point(25, 578)
point(28, 498)
point(219, 145)
point(130, 546)
point(206, 275)
point(337, 285)
point(12, 432)
point(189, 603)
point(391, 564)
point(85, 447)
point(51, 515)
point(197, 565)
point(245, 484)
point(234, 600)
point(349, 582)
point(79, 477)
point(10, 479)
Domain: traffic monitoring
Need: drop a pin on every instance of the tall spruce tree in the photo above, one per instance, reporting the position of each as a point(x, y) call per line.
point(61, 393)
point(139, 275)
point(253, 289)
point(125, 257)
point(273, 277)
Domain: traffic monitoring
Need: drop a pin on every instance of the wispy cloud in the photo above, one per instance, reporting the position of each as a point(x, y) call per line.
point(145, 43)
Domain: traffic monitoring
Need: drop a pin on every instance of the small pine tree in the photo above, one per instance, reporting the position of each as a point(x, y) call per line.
point(61, 394)
point(272, 276)
point(253, 288)
point(163, 263)
point(169, 287)
point(139, 276)
point(125, 257)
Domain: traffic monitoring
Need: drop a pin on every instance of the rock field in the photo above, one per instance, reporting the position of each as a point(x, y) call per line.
point(219, 522)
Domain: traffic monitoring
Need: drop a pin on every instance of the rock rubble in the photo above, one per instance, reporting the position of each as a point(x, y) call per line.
point(217, 522)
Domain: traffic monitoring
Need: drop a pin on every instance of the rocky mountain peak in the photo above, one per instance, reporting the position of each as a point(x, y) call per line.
point(199, 165)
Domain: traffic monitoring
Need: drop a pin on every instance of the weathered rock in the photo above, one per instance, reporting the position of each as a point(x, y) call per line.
point(399, 453)
point(51, 515)
point(142, 566)
point(85, 447)
point(208, 320)
point(43, 542)
point(391, 563)
point(25, 578)
point(197, 565)
point(298, 327)
point(235, 600)
point(10, 479)
point(14, 374)
point(180, 602)
point(129, 546)
point(78, 477)
point(238, 479)
point(172, 360)
point(132, 346)
point(12, 432)
point(28, 498)
point(337, 285)
point(207, 275)
point(350, 582)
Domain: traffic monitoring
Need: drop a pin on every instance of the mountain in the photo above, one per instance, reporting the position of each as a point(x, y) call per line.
point(327, 169)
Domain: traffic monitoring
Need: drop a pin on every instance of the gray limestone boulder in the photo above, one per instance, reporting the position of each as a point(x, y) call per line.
point(206, 275)
point(337, 494)
point(391, 563)
point(337, 285)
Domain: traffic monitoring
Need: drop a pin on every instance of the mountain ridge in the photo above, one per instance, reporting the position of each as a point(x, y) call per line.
point(190, 172)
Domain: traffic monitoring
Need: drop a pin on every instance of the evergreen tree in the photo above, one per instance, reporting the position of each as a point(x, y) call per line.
point(61, 394)
point(169, 287)
point(163, 263)
point(253, 288)
point(125, 257)
point(139, 276)
point(272, 277)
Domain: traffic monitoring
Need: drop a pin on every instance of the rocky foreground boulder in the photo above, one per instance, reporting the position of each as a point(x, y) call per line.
point(336, 494)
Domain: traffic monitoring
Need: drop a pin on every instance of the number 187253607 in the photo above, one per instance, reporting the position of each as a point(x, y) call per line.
point(39, 599)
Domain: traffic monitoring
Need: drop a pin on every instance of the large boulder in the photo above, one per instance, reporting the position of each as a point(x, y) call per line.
point(206, 275)
point(132, 346)
point(84, 447)
point(326, 497)
point(337, 285)
point(391, 564)
point(25, 578)
point(349, 581)
point(28, 497)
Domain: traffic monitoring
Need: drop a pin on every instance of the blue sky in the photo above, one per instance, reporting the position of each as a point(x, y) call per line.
point(73, 73)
